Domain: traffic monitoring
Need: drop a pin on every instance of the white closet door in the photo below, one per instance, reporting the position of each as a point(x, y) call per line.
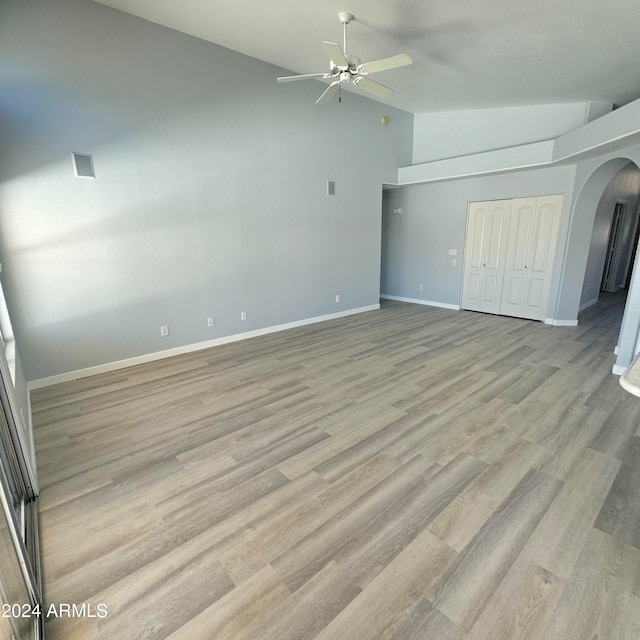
point(531, 245)
point(487, 224)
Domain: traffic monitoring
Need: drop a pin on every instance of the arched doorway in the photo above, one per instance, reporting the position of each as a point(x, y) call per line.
point(593, 212)
point(612, 238)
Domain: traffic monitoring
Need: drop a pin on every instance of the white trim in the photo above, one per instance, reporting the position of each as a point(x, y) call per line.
point(428, 303)
point(618, 370)
point(616, 351)
point(608, 133)
point(588, 304)
point(32, 439)
point(561, 323)
point(519, 157)
point(176, 351)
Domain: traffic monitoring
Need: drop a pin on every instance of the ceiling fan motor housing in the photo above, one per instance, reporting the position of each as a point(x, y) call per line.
point(353, 61)
point(353, 64)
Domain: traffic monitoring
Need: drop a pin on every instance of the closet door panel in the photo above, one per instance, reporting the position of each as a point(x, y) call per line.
point(542, 239)
point(517, 256)
point(494, 228)
point(472, 278)
point(477, 220)
point(543, 243)
point(491, 294)
point(509, 252)
point(529, 263)
point(473, 292)
point(514, 291)
point(535, 289)
point(487, 226)
point(522, 218)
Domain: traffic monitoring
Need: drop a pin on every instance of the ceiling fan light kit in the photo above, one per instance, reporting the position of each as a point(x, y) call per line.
point(345, 68)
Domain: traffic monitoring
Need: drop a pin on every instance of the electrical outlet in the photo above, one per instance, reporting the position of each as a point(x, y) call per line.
point(243, 315)
point(338, 298)
point(164, 330)
point(420, 287)
point(210, 322)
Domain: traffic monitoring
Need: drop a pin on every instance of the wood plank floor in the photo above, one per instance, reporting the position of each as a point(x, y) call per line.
point(408, 473)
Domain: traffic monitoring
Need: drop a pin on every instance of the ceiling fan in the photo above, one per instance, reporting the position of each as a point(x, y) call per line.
point(345, 68)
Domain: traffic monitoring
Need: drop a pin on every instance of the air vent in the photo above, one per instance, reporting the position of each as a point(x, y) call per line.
point(83, 165)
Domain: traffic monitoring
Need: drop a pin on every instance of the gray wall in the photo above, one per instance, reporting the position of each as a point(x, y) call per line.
point(210, 190)
point(415, 244)
point(624, 186)
point(592, 177)
point(449, 134)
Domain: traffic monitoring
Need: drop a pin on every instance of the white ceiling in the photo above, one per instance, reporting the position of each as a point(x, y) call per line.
point(467, 53)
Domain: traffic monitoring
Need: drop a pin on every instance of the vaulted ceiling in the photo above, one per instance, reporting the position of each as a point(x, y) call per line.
point(467, 54)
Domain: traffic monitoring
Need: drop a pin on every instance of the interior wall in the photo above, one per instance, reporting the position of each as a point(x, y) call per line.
point(592, 177)
point(416, 243)
point(452, 134)
point(624, 186)
point(210, 195)
point(11, 355)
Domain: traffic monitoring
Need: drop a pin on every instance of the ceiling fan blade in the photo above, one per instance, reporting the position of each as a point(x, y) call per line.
point(372, 87)
point(336, 54)
point(306, 76)
point(329, 92)
point(401, 60)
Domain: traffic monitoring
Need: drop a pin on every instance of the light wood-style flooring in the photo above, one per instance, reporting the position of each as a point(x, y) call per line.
point(411, 473)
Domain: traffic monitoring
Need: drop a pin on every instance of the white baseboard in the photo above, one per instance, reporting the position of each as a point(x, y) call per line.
point(561, 323)
point(428, 303)
point(588, 304)
point(618, 370)
point(189, 348)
